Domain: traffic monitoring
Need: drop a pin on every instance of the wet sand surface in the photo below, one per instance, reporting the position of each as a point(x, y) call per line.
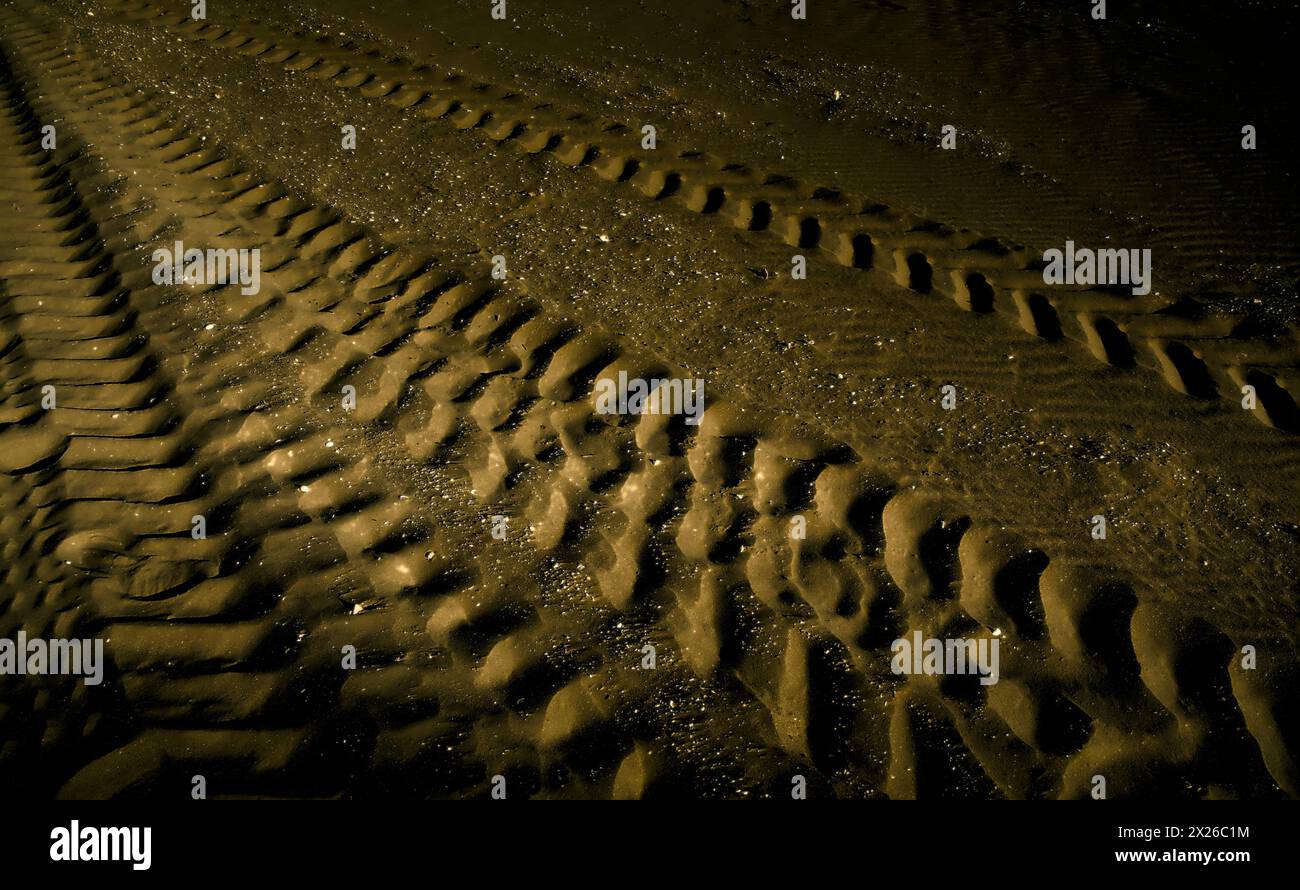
point(827, 504)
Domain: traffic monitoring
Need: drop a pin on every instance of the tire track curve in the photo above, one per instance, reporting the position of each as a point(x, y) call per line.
point(452, 371)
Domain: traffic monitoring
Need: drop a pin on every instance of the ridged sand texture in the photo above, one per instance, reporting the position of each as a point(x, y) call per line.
point(225, 651)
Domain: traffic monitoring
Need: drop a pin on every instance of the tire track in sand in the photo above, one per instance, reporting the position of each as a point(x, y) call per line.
point(236, 676)
point(689, 527)
point(1196, 353)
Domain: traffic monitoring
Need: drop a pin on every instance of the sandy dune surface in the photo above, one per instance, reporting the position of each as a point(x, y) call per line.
point(366, 527)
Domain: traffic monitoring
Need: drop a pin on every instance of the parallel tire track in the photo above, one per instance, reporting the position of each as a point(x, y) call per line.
point(685, 530)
